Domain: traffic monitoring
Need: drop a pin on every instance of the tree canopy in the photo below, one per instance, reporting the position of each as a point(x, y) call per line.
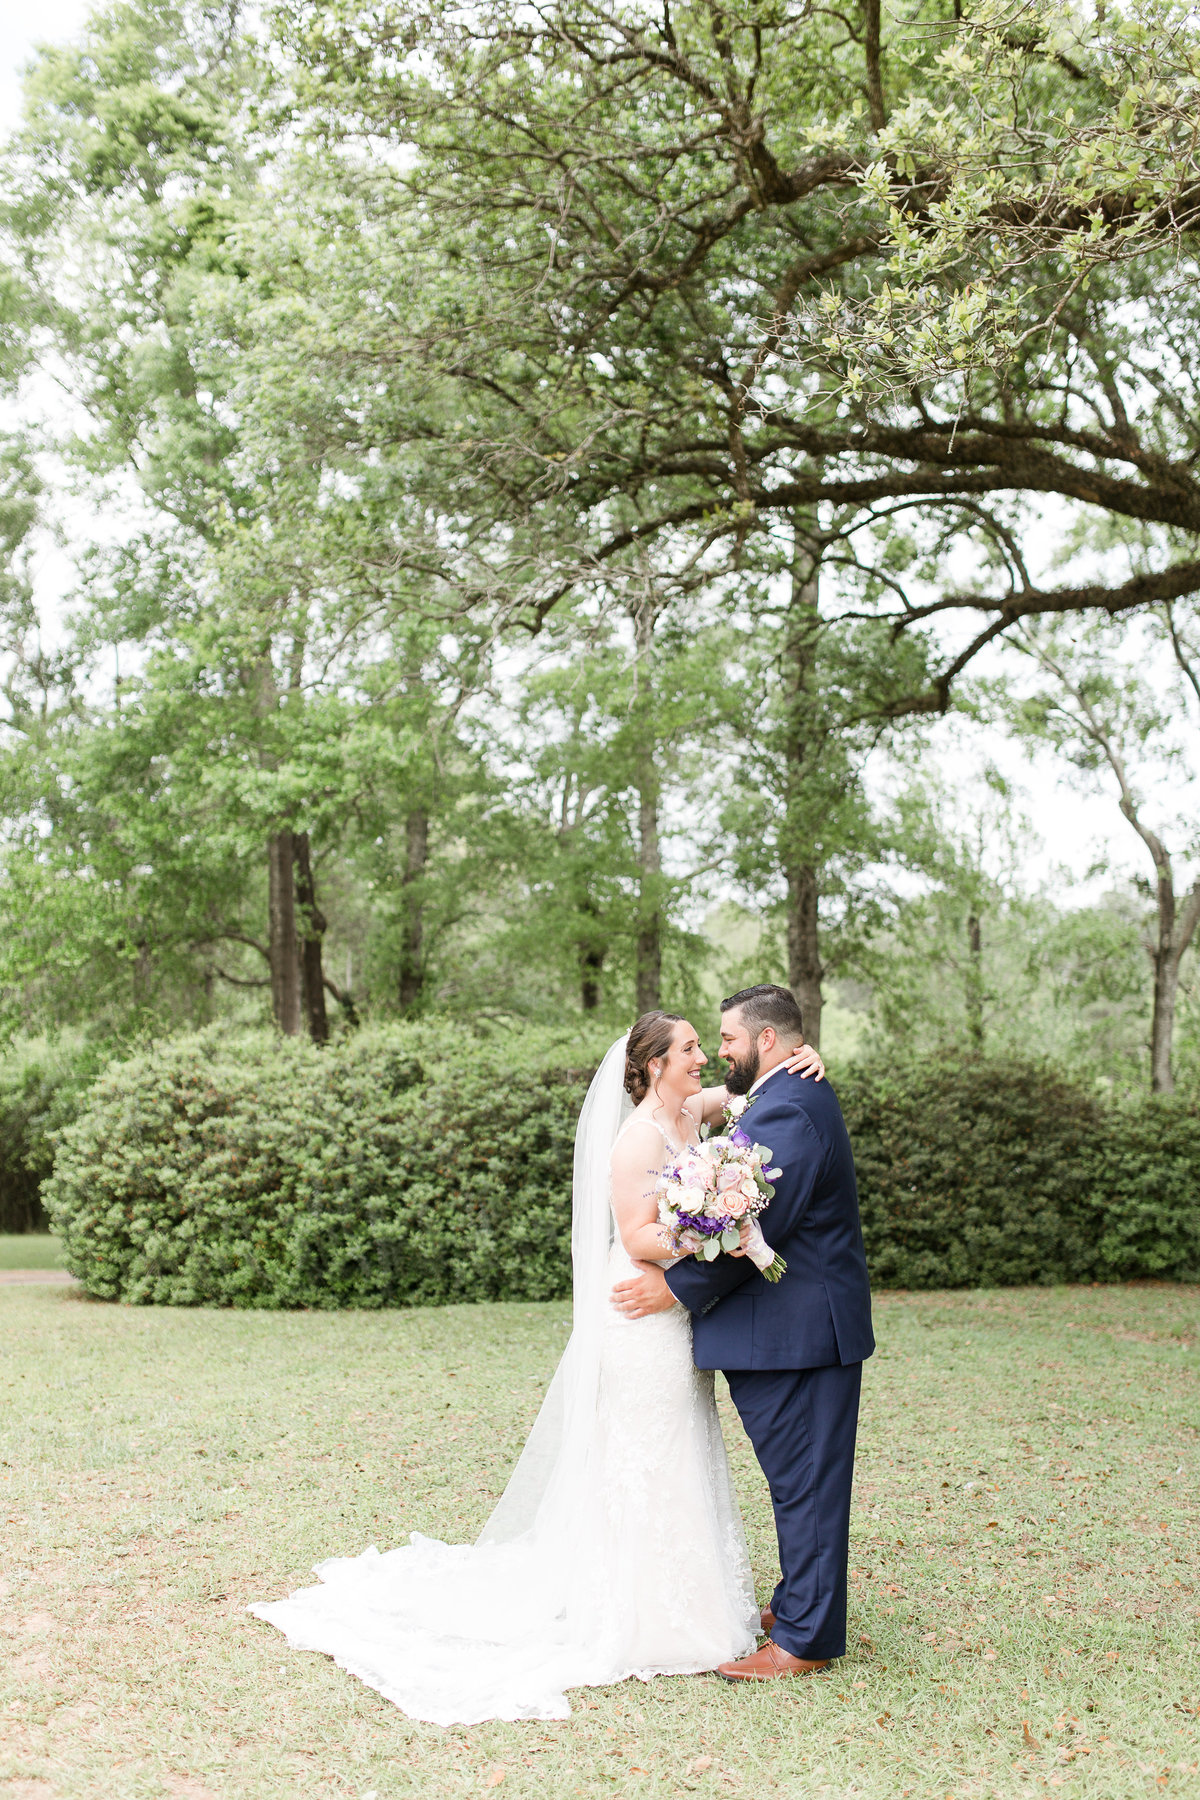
point(563, 457)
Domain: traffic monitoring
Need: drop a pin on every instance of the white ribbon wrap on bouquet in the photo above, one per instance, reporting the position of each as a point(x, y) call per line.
point(758, 1249)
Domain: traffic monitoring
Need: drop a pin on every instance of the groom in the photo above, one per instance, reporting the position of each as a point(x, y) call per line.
point(791, 1352)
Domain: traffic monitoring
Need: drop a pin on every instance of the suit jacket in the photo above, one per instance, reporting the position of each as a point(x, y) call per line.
point(820, 1311)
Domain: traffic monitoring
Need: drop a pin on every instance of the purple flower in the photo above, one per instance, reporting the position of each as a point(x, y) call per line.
point(703, 1225)
point(737, 1136)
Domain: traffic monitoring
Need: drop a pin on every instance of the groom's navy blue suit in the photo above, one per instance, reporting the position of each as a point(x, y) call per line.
point(792, 1351)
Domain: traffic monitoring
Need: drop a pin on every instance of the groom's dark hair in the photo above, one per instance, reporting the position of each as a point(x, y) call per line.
point(766, 1005)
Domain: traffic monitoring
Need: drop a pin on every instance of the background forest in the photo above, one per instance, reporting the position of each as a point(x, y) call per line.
point(561, 509)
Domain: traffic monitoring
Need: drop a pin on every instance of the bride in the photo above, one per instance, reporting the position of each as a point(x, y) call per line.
point(617, 1547)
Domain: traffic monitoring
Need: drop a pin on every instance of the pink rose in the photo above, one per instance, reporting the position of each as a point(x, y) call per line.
point(736, 1204)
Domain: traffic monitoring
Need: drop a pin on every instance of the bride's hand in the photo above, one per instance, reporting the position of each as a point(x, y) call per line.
point(806, 1061)
point(743, 1238)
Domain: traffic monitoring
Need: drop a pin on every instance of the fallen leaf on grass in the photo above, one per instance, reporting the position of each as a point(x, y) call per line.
point(701, 1763)
point(1030, 1741)
point(496, 1776)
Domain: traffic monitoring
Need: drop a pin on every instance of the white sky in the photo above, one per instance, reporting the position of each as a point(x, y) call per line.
point(21, 29)
point(1076, 831)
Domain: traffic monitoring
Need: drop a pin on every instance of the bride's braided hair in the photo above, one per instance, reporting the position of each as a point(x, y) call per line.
point(649, 1039)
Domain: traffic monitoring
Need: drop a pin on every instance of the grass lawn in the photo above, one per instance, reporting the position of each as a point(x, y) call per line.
point(29, 1250)
point(1025, 1614)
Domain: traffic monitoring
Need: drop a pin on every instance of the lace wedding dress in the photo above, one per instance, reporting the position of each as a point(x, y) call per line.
point(617, 1547)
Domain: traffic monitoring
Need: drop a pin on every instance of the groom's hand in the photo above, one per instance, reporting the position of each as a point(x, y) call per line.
point(646, 1293)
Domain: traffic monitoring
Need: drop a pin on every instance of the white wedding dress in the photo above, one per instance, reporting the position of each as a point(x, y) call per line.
point(617, 1547)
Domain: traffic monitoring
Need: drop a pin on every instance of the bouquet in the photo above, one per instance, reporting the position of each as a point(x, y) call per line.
point(704, 1199)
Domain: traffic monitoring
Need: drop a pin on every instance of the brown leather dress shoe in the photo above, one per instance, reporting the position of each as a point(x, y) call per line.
point(768, 1664)
point(766, 1620)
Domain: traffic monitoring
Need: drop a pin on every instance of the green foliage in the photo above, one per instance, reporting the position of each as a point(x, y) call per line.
point(975, 957)
point(414, 338)
point(990, 1173)
point(399, 1167)
point(1146, 1163)
point(41, 1088)
point(406, 1166)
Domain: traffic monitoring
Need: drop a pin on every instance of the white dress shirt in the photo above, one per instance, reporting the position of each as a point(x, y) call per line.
point(757, 1084)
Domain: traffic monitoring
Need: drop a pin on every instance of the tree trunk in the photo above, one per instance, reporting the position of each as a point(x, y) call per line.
point(875, 100)
point(804, 959)
point(648, 949)
point(284, 948)
point(312, 926)
point(1166, 956)
point(1162, 1026)
point(592, 962)
point(1176, 929)
point(416, 857)
point(805, 969)
point(974, 981)
point(648, 943)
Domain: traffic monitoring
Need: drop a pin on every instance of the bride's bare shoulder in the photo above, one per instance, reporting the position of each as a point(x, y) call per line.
point(639, 1143)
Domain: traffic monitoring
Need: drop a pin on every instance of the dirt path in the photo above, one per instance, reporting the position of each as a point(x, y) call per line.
point(27, 1277)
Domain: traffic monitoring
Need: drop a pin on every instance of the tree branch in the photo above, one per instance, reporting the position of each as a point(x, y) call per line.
point(1140, 590)
point(240, 980)
point(1188, 920)
point(1095, 729)
point(1181, 656)
point(343, 997)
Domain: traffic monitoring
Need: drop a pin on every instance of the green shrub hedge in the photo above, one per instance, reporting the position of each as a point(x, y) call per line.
point(393, 1168)
point(404, 1166)
point(981, 1174)
point(42, 1087)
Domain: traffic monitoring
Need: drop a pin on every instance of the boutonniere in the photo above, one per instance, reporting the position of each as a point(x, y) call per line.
point(737, 1106)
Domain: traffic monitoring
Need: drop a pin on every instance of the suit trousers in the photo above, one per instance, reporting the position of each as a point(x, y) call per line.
point(802, 1424)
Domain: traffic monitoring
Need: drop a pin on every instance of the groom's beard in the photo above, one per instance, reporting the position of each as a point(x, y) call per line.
point(743, 1073)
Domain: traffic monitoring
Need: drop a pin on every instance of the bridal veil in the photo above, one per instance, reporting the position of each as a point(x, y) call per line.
point(499, 1629)
point(549, 1486)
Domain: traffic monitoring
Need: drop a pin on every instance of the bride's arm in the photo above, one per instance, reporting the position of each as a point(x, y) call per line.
point(707, 1106)
point(635, 1173)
